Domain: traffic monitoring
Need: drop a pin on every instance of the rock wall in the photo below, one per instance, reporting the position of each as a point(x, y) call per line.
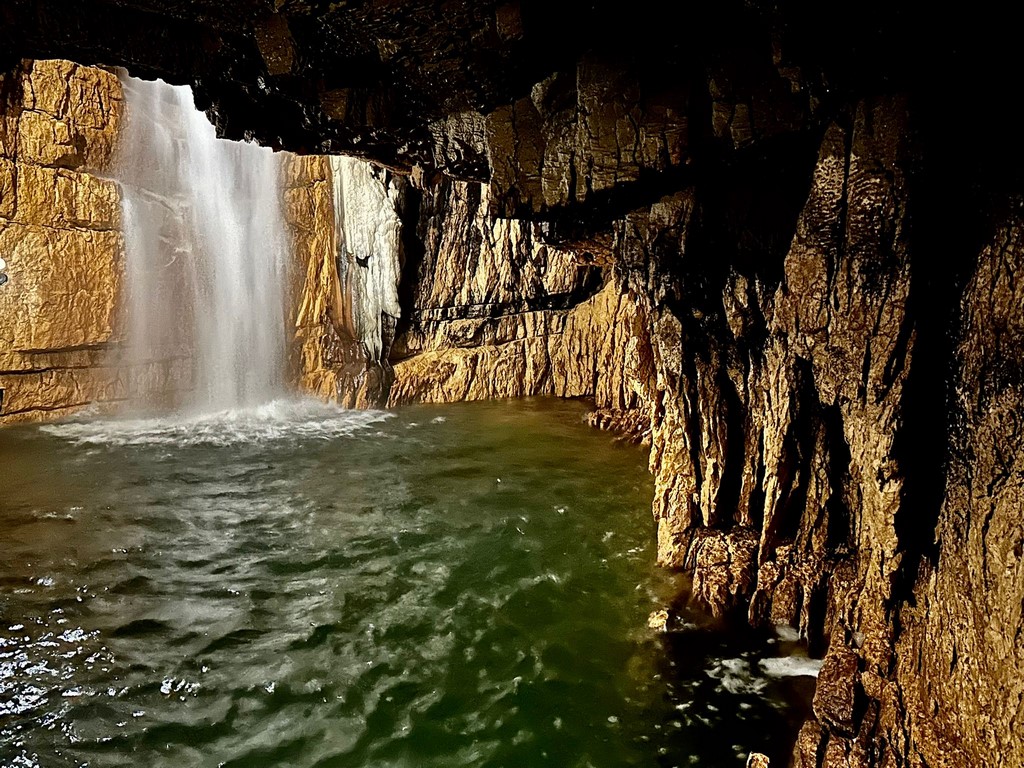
point(490, 311)
point(60, 235)
point(329, 361)
point(794, 386)
point(778, 338)
point(959, 657)
point(782, 391)
point(336, 357)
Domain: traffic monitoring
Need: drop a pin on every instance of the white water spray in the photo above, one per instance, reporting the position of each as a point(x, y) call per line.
point(206, 251)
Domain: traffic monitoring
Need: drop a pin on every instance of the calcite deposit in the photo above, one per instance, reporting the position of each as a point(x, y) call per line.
point(338, 358)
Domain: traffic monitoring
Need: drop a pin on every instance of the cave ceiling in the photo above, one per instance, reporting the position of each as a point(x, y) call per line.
point(375, 78)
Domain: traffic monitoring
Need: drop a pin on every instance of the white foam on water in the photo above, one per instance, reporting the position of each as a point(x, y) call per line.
point(791, 666)
point(282, 419)
point(787, 633)
point(734, 676)
point(738, 676)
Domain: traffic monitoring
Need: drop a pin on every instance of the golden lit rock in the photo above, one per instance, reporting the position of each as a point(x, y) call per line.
point(60, 235)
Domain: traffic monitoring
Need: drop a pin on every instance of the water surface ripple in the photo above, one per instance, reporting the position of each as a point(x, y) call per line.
point(300, 586)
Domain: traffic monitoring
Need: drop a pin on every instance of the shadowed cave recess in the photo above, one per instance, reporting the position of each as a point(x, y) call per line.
point(779, 246)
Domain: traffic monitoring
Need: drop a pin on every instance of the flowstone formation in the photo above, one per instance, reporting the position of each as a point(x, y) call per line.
point(783, 250)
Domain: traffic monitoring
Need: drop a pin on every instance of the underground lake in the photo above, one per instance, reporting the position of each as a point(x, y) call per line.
point(299, 585)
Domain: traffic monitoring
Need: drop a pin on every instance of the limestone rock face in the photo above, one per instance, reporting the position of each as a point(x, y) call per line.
point(60, 235)
point(780, 394)
point(326, 358)
point(782, 387)
point(960, 660)
point(492, 312)
point(835, 698)
point(791, 436)
point(784, 393)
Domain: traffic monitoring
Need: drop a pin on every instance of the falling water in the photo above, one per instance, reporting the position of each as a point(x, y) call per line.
point(205, 245)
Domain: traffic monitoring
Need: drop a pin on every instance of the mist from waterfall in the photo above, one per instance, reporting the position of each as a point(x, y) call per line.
point(206, 255)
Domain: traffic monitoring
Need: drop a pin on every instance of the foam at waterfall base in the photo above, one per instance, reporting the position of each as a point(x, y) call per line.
point(282, 419)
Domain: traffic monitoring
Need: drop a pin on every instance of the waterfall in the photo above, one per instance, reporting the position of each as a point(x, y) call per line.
point(368, 233)
point(205, 253)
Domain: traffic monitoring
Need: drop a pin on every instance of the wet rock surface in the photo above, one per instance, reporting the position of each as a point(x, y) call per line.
point(959, 659)
point(795, 387)
point(330, 356)
point(60, 236)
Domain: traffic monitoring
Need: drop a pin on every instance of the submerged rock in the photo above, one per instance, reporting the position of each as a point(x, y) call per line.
point(658, 620)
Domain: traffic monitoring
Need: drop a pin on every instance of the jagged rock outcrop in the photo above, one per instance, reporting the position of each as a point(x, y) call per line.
point(785, 395)
point(959, 656)
point(779, 406)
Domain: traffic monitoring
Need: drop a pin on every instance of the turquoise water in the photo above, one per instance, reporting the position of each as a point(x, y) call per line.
point(298, 586)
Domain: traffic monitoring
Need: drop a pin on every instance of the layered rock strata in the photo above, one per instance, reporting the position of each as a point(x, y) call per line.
point(794, 391)
point(330, 361)
point(490, 311)
point(959, 655)
point(60, 235)
point(346, 217)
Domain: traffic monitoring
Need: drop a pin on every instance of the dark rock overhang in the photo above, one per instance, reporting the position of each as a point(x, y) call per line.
point(462, 86)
